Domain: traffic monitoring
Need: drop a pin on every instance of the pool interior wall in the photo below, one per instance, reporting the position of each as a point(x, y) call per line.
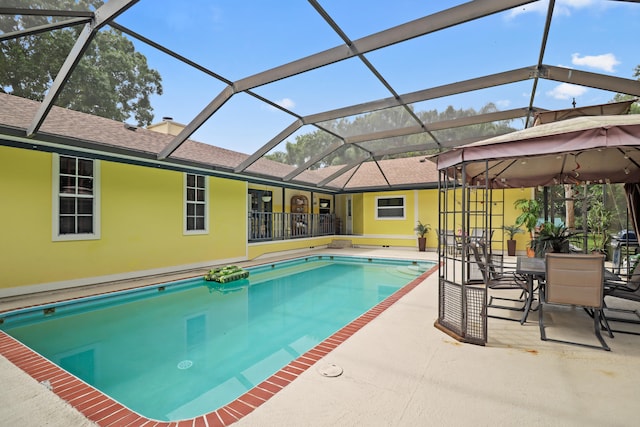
point(290, 371)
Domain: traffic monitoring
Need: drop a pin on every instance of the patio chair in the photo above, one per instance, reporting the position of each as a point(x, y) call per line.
point(576, 280)
point(628, 290)
point(453, 242)
point(478, 235)
point(628, 284)
point(449, 245)
point(499, 277)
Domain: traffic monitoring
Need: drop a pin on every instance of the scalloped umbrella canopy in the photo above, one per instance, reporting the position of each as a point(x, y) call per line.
point(575, 150)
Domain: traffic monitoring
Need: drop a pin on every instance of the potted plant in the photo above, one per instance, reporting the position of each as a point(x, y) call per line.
point(552, 238)
point(531, 210)
point(512, 230)
point(422, 230)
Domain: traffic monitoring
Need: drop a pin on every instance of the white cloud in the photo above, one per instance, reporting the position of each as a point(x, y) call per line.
point(503, 103)
point(286, 103)
point(566, 91)
point(562, 7)
point(606, 62)
point(538, 7)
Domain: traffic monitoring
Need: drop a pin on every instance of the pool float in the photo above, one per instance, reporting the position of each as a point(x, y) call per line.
point(226, 274)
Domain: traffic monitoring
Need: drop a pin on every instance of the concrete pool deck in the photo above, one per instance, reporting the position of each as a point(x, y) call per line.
point(400, 370)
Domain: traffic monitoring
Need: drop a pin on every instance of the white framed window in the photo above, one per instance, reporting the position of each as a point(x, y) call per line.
point(76, 198)
point(196, 201)
point(390, 208)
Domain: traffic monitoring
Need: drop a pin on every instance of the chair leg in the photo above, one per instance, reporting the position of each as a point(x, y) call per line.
point(523, 306)
point(597, 318)
point(529, 300)
point(543, 335)
point(604, 322)
point(624, 320)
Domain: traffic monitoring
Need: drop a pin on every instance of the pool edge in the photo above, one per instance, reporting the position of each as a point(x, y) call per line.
point(105, 411)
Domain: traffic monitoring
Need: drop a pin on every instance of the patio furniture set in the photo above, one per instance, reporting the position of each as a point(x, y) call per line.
point(579, 280)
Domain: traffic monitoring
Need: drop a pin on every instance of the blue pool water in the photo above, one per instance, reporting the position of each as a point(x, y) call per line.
point(182, 349)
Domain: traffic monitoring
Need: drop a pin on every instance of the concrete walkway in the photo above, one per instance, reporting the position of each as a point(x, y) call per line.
point(399, 370)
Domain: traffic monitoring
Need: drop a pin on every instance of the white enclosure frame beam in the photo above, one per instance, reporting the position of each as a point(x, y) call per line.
point(419, 27)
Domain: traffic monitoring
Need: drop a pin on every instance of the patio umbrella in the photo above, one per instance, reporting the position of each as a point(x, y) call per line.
point(576, 150)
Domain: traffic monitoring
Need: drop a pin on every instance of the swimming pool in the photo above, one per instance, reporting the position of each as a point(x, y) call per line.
point(178, 350)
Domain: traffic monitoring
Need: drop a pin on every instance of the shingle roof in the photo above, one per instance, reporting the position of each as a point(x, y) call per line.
point(17, 113)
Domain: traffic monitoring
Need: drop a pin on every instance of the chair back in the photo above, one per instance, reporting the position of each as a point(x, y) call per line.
point(634, 279)
point(479, 260)
point(574, 279)
point(490, 267)
point(487, 240)
point(476, 234)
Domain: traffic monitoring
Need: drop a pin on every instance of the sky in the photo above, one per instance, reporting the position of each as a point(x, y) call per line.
point(237, 39)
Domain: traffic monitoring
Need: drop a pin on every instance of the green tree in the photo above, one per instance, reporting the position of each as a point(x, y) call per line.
point(111, 80)
point(599, 221)
point(310, 144)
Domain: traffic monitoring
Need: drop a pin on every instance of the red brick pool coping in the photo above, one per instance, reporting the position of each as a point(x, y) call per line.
point(104, 411)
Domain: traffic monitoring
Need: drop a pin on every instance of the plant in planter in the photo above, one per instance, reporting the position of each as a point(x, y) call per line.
point(531, 210)
point(422, 230)
point(512, 230)
point(551, 238)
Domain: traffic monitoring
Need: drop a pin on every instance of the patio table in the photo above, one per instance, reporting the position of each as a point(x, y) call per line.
point(535, 268)
point(532, 269)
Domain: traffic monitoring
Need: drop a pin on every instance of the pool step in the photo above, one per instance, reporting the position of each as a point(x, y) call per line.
point(420, 267)
point(411, 270)
point(340, 244)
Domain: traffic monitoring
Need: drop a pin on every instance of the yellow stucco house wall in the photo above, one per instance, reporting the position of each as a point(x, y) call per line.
point(397, 232)
point(141, 223)
point(141, 219)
